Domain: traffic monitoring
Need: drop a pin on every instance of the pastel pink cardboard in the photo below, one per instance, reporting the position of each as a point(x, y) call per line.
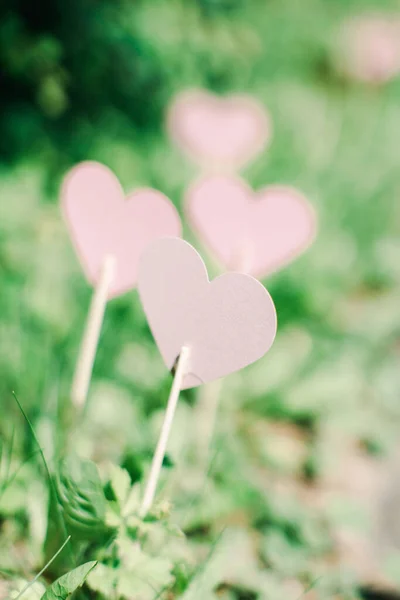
point(102, 221)
point(227, 324)
point(219, 132)
point(255, 232)
point(369, 47)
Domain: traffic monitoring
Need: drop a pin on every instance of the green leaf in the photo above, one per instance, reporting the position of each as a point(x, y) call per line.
point(104, 580)
point(80, 493)
point(285, 558)
point(121, 484)
point(69, 583)
point(132, 503)
point(33, 592)
point(141, 574)
point(240, 569)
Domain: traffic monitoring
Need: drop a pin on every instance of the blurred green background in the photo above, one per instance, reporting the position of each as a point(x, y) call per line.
point(302, 477)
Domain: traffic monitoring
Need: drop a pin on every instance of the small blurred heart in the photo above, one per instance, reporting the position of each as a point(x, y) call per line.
point(254, 232)
point(103, 222)
point(368, 48)
point(219, 132)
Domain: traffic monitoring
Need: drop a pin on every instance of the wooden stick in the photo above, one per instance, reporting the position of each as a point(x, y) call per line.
point(206, 414)
point(243, 257)
point(87, 353)
point(150, 490)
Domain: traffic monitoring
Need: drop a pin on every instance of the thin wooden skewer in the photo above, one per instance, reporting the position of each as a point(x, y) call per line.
point(87, 353)
point(150, 490)
point(206, 419)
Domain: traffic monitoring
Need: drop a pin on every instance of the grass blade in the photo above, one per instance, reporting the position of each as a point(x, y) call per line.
point(34, 580)
point(53, 492)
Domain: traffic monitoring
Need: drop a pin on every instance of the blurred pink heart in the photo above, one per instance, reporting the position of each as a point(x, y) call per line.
point(369, 48)
point(219, 132)
point(257, 233)
point(102, 221)
point(226, 324)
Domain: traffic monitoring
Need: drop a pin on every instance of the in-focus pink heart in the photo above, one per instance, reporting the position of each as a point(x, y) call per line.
point(103, 222)
point(256, 233)
point(219, 132)
point(226, 324)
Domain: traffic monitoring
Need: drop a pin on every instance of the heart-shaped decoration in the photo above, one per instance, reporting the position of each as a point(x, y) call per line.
point(103, 222)
point(257, 233)
point(219, 132)
point(226, 324)
point(369, 48)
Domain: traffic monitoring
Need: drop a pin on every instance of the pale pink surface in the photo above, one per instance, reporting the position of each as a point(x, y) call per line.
point(102, 221)
point(371, 48)
point(255, 232)
point(219, 132)
point(227, 324)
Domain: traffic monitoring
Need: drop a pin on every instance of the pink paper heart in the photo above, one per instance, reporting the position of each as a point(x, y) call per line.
point(369, 48)
point(227, 324)
point(219, 132)
point(102, 221)
point(255, 232)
